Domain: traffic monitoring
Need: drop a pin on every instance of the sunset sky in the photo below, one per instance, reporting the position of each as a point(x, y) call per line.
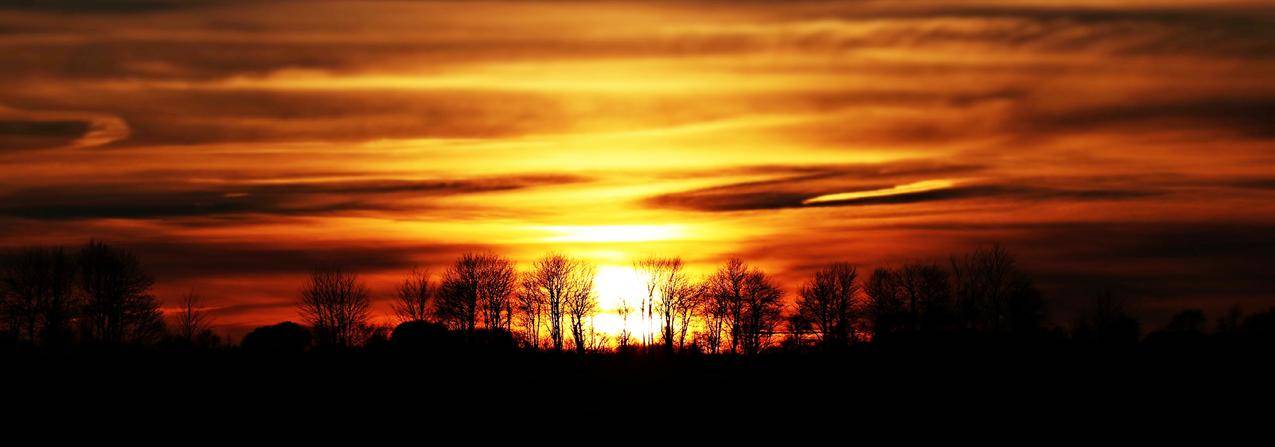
point(234, 145)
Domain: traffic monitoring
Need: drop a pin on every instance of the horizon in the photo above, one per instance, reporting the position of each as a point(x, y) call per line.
point(235, 146)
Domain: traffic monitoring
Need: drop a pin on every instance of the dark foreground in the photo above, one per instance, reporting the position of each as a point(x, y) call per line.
point(1099, 380)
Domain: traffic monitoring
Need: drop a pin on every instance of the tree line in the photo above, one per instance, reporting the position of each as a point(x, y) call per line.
point(100, 296)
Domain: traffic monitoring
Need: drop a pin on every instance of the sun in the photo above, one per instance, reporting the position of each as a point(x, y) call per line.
point(614, 286)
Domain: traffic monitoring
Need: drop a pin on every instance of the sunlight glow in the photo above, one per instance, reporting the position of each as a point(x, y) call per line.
point(613, 233)
point(614, 286)
point(926, 185)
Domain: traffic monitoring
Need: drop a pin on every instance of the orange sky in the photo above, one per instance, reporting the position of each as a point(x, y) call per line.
point(234, 145)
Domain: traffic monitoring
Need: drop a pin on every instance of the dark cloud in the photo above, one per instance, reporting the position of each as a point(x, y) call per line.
point(29, 134)
point(1258, 183)
point(793, 191)
point(1205, 28)
point(158, 200)
point(231, 45)
point(1248, 116)
point(103, 6)
point(180, 260)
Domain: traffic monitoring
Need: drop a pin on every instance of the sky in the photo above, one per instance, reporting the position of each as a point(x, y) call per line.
point(1124, 145)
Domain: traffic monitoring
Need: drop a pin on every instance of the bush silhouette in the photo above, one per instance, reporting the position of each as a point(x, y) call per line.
point(491, 341)
point(420, 336)
point(283, 338)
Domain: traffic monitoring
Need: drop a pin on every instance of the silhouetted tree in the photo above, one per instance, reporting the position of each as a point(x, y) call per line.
point(414, 297)
point(675, 297)
point(724, 291)
point(283, 338)
point(717, 296)
point(649, 268)
point(1228, 325)
point(497, 291)
point(799, 328)
point(926, 295)
point(1190, 320)
point(686, 309)
point(580, 305)
point(118, 307)
point(564, 285)
point(885, 303)
point(529, 306)
point(38, 298)
point(477, 285)
point(595, 340)
point(1105, 322)
point(1259, 328)
point(828, 306)
point(623, 339)
point(714, 317)
point(336, 304)
point(914, 298)
point(376, 338)
point(993, 295)
point(1184, 330)
point(192, 324)
point(760, 312)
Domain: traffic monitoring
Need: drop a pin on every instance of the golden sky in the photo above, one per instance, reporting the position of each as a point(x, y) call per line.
point(234, 145)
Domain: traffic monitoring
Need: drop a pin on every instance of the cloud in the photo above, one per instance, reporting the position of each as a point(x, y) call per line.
point(179, 259)
point(152, 200)
point(102, 6)
point(25, 130)
point(1246, 116)
point(168, 78)
point(21, 135)
point(889, 184)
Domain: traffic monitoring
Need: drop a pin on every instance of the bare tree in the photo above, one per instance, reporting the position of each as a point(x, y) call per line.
point(927, 293)
point(828, 304)
point(596, 340)
point(761, 312)
point(193, 324)
point(529, 305)
point(1105, 321)
point(649, 267)
point(623, 339)
point(563, 285)
point(687, 309)
point(993, 295)
point(499, 284)
point(676, 295)
point(118, 307)
point(336, 304)
point(713, 312)
point(724, 291)
point(885, 302)
point(478, 285)
point(37, 294)
point(715, 307)
point(913, 298)
point(414, 298)
point(581, 304)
